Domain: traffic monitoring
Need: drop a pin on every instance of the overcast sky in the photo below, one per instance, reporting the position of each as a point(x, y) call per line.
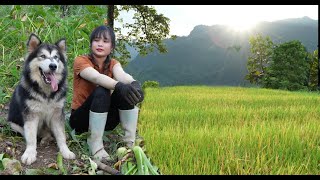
point(183, 18)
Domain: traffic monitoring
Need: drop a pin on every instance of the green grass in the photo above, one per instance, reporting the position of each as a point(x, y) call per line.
point(231, 130)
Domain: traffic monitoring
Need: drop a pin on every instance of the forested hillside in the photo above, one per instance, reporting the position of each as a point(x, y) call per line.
point(217, 55)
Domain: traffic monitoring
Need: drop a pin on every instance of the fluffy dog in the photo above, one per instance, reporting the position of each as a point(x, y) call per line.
point(37, 105)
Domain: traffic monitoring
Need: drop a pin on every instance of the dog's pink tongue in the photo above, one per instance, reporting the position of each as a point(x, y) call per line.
point(54, 83)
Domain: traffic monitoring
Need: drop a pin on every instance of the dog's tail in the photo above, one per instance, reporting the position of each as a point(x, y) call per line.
point(17, 128)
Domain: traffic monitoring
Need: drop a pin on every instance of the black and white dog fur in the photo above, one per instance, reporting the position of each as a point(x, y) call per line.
point(37, 104)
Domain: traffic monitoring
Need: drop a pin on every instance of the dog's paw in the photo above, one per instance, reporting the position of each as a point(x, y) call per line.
point(67, 154)
point(29, 156)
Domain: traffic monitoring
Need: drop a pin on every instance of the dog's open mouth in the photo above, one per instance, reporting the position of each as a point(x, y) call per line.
point(50, 78)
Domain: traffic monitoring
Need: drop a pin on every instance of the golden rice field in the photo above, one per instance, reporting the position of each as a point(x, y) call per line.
point(231, 130)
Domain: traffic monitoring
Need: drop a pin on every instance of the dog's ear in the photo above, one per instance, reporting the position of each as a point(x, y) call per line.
point(62, 45)
point(33, 42)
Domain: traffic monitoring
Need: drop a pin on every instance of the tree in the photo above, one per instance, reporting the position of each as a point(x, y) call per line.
point(110, 16)
point(289, 67)
point(314, 68)
point(259, 58)
point(145, 34)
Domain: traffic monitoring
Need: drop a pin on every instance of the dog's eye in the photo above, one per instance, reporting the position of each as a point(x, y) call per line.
point(55, 57)
point(43, 56)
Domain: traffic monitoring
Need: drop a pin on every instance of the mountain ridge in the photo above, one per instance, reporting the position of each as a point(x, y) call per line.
point(216, 55)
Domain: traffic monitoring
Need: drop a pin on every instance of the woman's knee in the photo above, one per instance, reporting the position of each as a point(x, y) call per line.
point(101, 92)
point(120, 102)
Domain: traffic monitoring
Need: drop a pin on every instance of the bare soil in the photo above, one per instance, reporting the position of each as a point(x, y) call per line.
point(46, 154)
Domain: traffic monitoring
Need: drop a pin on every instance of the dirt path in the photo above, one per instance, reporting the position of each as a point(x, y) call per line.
point(46, 154)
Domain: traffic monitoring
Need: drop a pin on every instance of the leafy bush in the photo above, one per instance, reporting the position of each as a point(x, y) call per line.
point(152, 84)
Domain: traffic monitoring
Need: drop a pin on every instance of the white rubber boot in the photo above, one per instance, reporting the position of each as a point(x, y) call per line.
point(128, 120)
point(97, 122)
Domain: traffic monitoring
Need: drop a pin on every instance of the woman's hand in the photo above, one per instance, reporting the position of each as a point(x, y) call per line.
point(137, 86)
point(128, 92)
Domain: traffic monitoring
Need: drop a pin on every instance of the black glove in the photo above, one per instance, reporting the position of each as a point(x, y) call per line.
point(137, 86)
point(128, 92)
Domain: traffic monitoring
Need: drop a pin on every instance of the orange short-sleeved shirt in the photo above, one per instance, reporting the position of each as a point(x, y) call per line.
point(81, 87)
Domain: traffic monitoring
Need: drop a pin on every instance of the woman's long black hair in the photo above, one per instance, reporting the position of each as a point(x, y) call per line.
point(103, 31)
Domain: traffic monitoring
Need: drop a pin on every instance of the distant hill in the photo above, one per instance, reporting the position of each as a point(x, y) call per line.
point(216, 55)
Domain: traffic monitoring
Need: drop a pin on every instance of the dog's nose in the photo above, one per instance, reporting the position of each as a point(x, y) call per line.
point(53, 66)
